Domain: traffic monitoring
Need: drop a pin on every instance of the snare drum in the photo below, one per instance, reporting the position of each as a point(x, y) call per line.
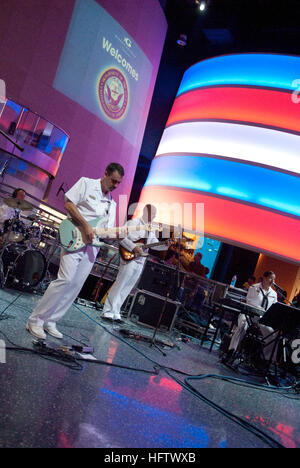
point(14, 230)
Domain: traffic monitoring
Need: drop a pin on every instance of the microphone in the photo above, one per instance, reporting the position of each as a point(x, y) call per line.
point(276, 286)
point(61, 189)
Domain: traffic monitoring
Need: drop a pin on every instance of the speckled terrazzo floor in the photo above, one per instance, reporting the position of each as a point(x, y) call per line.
point(44, 404)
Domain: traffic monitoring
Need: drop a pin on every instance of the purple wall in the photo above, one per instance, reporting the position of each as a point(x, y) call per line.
point(32, 36)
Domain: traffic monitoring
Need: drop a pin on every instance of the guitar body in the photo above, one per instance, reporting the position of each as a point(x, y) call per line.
point(71, 237)
point(125, 254)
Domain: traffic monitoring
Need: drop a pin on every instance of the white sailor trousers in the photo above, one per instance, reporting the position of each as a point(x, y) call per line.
point(267, 332)
point(128, 276)
point(73, 271)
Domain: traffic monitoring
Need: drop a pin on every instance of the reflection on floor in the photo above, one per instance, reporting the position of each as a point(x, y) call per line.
point(47, 404)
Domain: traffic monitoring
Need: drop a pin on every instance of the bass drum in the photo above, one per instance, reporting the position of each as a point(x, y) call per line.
point(26, 267)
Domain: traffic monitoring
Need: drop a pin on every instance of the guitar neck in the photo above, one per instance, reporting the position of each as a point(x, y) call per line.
point(156, 244)
point(124, 230)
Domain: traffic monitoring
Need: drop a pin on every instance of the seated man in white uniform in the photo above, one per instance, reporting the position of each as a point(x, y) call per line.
point(129, 272)
point(6, 212)
point(88, 199)
point(260, 295)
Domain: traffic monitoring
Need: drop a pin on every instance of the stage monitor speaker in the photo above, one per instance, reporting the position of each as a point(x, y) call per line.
point(160, 279)
point(90, 285)
point(146, 309)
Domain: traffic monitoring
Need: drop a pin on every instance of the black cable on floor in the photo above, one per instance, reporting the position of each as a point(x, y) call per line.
point(270, 441)
point(59, 354)
point(4, 316)
point(243, 423)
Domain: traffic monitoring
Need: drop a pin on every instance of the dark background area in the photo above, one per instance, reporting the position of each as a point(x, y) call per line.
point(225, 27)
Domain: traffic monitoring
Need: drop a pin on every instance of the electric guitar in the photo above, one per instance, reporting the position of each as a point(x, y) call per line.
point(127, 256)
point(71, 237)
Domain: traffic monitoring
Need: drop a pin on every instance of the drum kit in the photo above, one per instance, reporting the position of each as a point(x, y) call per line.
point(26, 249)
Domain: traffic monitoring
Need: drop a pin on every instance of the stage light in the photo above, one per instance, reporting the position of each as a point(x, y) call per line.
point(202, 4)
point(182, 41)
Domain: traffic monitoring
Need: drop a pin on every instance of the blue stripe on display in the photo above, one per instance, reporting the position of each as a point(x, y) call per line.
point(263, 70)
point(251, 184)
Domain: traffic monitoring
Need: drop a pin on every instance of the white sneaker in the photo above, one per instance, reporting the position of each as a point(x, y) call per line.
point(118, 318)
point(52, 330)
point(107, 316)
point(36, 331)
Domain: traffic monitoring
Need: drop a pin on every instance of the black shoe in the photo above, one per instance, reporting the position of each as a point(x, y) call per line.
point(229, 357)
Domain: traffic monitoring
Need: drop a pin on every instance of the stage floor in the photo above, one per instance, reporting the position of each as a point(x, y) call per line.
point(44, 404)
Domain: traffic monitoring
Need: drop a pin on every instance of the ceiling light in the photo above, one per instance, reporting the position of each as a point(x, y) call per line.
point(182, 40)
point(202, 4)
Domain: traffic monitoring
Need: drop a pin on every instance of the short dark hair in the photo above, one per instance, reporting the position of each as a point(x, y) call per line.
point(112, 167)
point(268, 273)
point(15, 192)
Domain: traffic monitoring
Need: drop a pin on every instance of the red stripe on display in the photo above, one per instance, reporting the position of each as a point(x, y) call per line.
point(251, 105)
point(232, 222)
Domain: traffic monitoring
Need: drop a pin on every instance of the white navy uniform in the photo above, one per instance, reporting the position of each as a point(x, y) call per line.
point(129, 272)
point(6, 212)
point(257, 297)
point(75, 267)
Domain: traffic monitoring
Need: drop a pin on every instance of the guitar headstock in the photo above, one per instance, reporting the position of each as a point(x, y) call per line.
point(189, 245)
point(152, 228)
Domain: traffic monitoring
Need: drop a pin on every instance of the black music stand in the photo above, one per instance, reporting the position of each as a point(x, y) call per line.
point(283, 319)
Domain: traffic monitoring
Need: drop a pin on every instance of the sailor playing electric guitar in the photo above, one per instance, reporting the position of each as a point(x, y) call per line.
point(130, 271)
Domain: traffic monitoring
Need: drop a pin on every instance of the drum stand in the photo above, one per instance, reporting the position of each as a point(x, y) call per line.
point(3, 277)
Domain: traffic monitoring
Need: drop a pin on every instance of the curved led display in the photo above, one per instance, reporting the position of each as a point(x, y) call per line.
point(252, 184)
point(257, 145)
point(248, 105)
point(232, 143)
point(262, 70)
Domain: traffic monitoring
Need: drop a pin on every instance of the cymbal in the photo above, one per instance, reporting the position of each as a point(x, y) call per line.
point(18, 204)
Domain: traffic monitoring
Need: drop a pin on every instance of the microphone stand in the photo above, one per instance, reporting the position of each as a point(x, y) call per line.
point(2, 172)
point(278, 288)
point(11, 140)
point(179, 252)
point(153, 343)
